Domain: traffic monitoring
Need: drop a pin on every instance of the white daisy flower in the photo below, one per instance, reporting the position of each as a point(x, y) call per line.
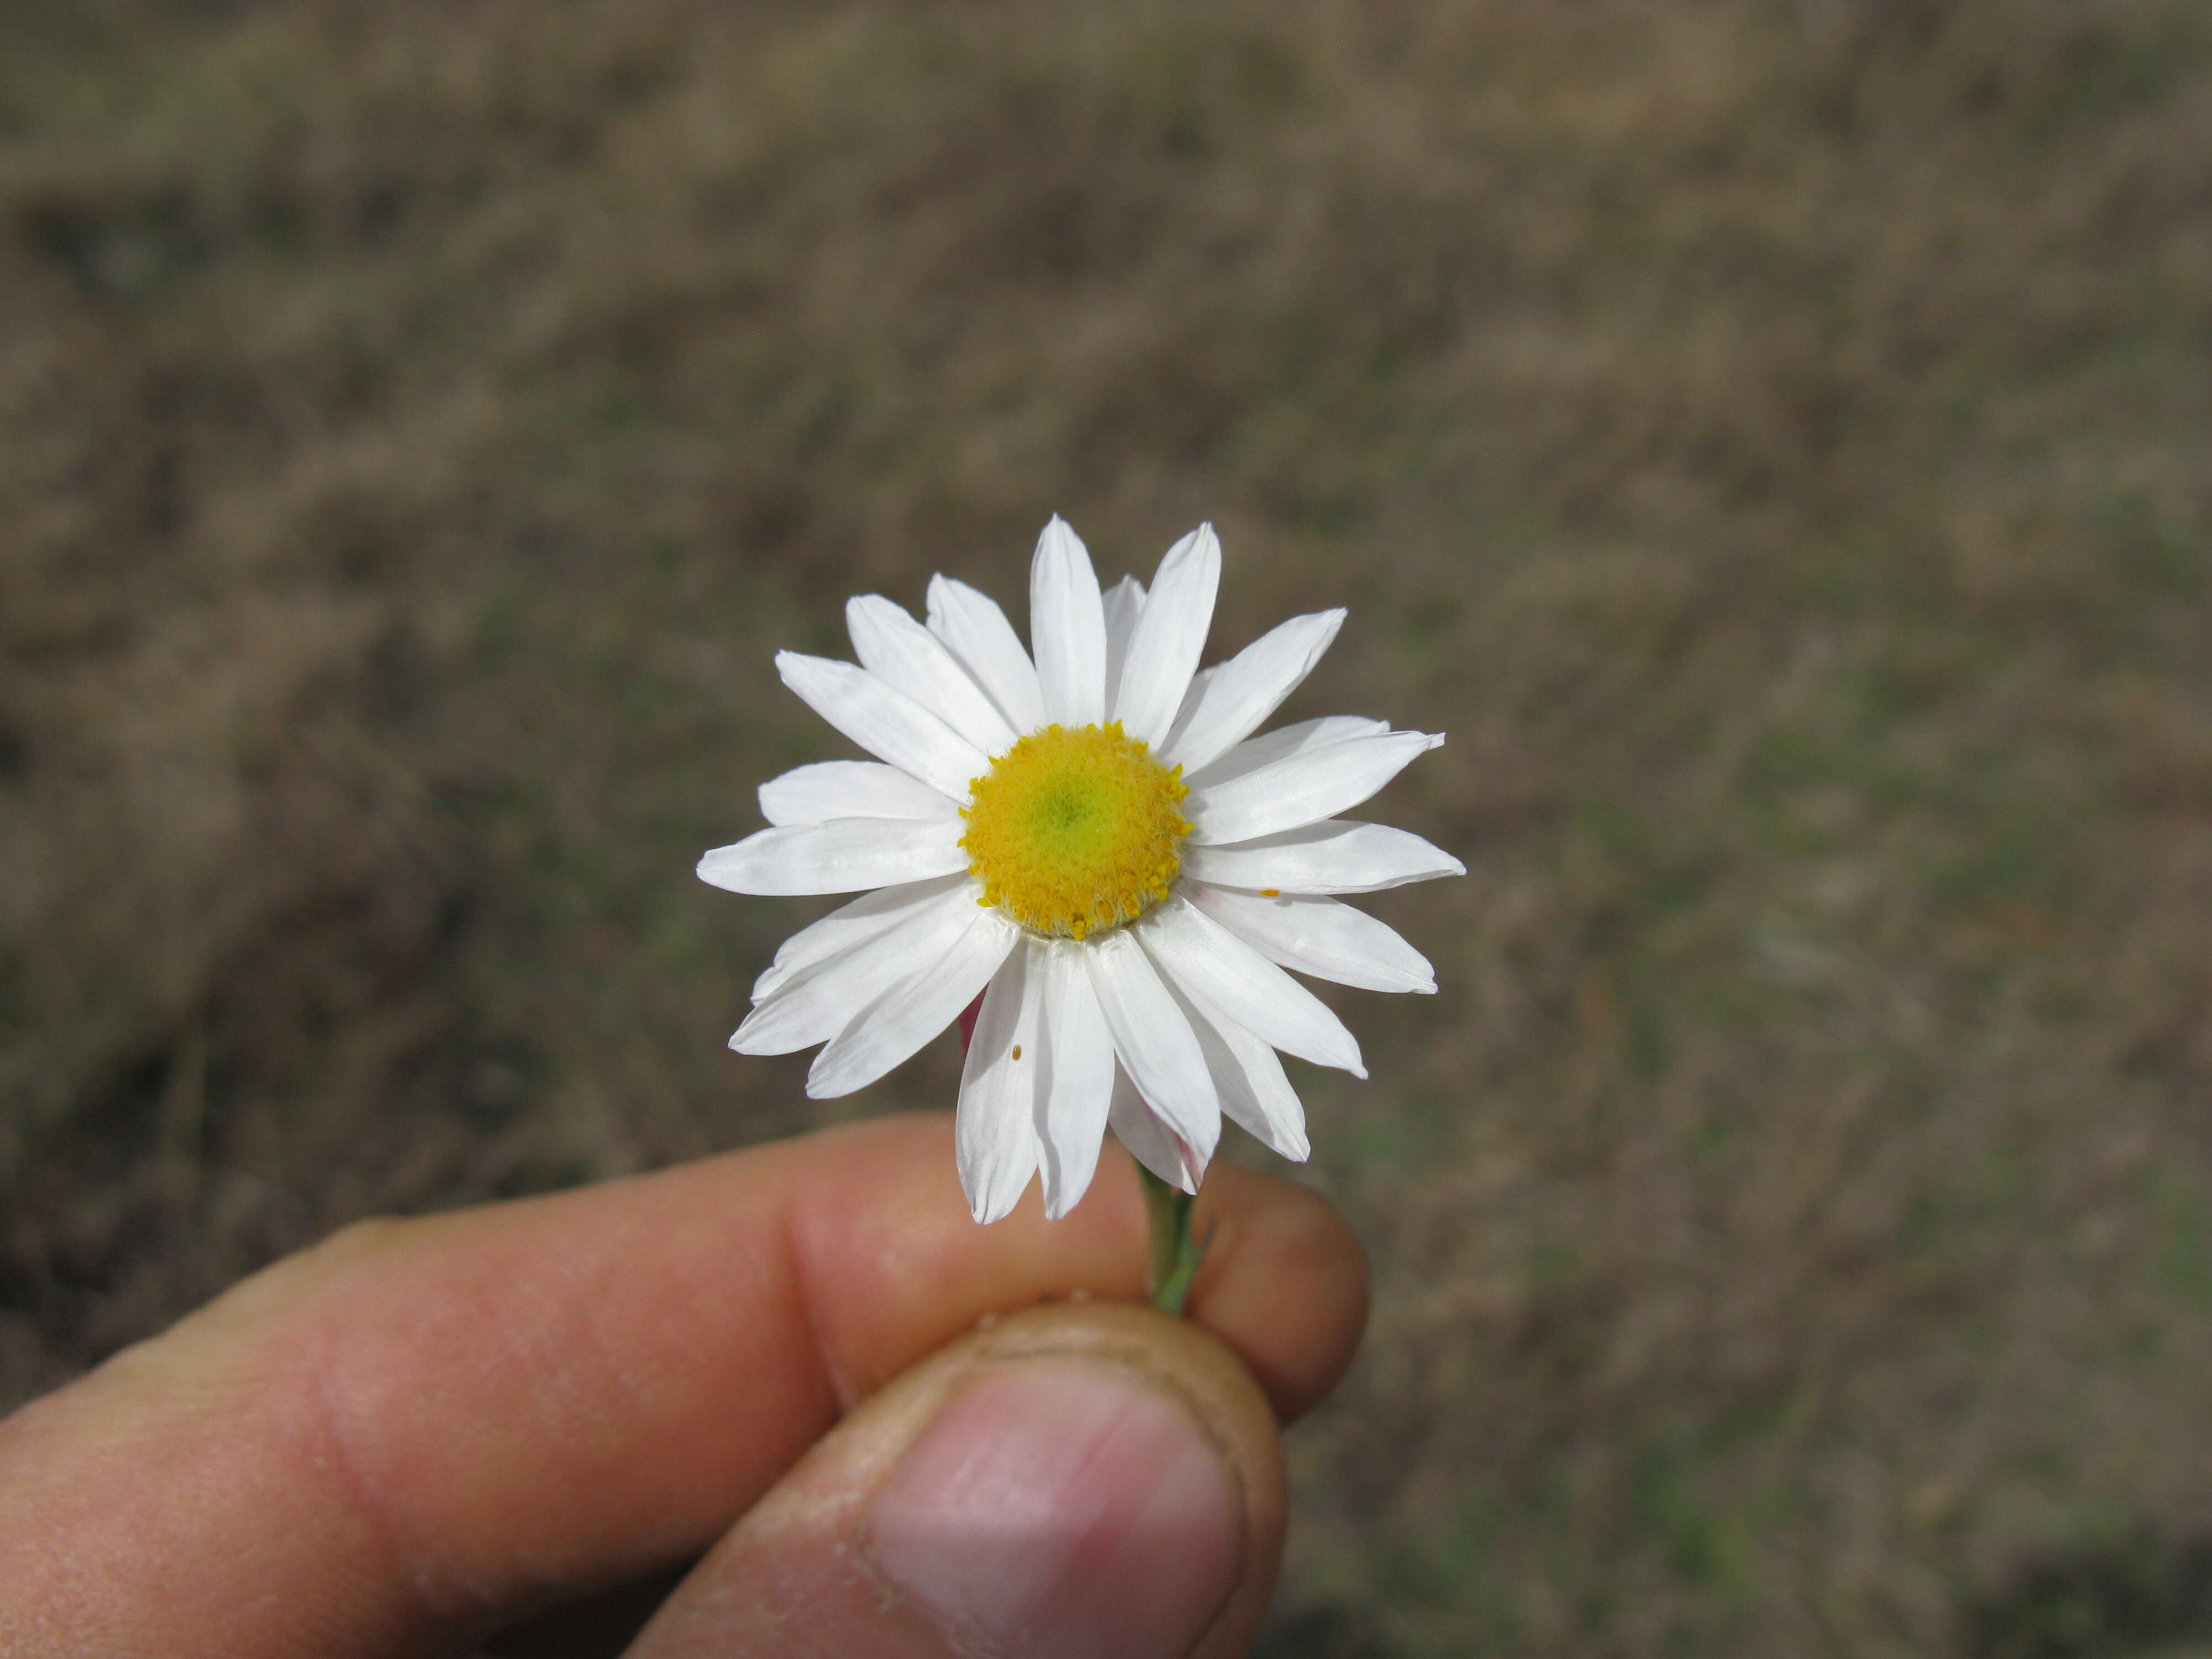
point(1093, 841)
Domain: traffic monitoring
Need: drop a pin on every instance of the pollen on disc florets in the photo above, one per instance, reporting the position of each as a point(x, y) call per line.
point(1074, 830)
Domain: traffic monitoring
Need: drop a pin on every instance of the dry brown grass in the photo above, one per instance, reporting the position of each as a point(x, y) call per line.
point(1771, 439)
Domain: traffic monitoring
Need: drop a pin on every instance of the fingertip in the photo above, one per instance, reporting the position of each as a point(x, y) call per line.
point(892, 1269)
point(1083, 1477)
point(1285, 1283)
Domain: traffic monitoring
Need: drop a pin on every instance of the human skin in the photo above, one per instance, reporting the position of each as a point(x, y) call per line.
point(873, 1426)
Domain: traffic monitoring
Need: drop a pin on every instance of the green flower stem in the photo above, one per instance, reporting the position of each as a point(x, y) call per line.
point(1175, 1254)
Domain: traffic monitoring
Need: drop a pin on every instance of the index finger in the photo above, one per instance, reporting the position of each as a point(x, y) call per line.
point(423, 1429)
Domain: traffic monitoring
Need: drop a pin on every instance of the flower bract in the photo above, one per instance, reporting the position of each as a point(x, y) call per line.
point(1087, 835)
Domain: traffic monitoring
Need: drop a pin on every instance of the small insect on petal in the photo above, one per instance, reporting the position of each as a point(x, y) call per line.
point(1017, 1051)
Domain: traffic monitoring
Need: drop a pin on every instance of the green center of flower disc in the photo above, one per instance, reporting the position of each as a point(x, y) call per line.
point(1075, 829)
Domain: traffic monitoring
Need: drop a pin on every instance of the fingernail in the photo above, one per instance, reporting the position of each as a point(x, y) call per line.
point(1065, 1508)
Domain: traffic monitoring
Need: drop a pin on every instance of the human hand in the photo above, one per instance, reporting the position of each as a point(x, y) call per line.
point(769, 1363)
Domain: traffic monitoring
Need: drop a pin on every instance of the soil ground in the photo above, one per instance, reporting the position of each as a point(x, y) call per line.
point(1774, 441)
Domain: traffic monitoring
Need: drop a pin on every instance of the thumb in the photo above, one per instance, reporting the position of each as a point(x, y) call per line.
point(1084, 1478)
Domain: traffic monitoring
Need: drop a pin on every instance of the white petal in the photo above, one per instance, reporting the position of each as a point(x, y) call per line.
point(978, 633)
point(1153, 1040)
point(1337, 855)
point(888, 724)
point(850, 789)
point(816, 1002)
point(840, 856)
point(1191, 698)
point(995, 1135)
point(1321, 937)
point(1303, 789)
point(1124, 603)
point(1247, 688)
point(907, 656)
point(1280, 744)
point(1067, 628)
point(1254, 1091)
point(889, 1030)
point(1165, 651)
point(1203, 957)
point(1150, 1141)
point(864, 918)
point(1078, 1055)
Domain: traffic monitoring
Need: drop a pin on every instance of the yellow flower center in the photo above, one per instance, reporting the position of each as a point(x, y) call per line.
point(1074, 830)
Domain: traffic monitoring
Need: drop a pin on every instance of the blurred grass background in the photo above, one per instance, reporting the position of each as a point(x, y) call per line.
point(1775, 441)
